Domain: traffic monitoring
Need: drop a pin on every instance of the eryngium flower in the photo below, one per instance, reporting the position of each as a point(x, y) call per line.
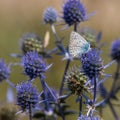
point(50, 15)
point(115, 50)
point(74, 12)
point(4, 70)
point(76, 81)
point(92, 64)
point(84, 117)
point(31, 42)
point(27, 95)
point(33, 64)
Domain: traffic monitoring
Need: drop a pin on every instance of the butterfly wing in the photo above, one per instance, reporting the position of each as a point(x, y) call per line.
point(77, 45)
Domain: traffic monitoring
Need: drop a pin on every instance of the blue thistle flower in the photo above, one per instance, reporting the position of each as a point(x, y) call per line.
point(74, 12)
point(84, 117)
point(26, 95)
point(92, 64)
point(50, 15)
point(33, 64)
point(4, 70)
point(115, 50)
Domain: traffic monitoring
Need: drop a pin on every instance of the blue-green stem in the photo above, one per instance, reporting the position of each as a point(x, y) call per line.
point(94, 94)
point(80, 106)
point(30, 112)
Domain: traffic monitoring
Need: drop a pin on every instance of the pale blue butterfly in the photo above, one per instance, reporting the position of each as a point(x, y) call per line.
point(77, 45)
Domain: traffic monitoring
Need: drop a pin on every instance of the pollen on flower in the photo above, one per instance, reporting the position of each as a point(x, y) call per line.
point(76, 80)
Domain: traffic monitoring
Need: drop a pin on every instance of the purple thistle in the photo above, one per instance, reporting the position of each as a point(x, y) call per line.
point(4, 70)
point(33, 64)
point(74, 12)
point(92, 64)
point(84, 117)
point(50, 15)
point(26, 95)
point(115, 50)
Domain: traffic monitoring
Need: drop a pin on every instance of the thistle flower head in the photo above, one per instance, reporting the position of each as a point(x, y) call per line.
point(76, 81)
point(84, 117)
point(4, 70)
point(50, 15)
point(115, 50)
point(33, 64)
point(92, 64)
point(31, 42)
point(74, 12)
point(27, 95)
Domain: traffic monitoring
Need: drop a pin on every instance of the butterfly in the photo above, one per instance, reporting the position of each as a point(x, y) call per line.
point(77, 45)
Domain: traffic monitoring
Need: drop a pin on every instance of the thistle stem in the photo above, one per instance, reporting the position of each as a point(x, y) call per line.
point(113, 111)
point(63, 79)
point(45, 93)
point(95, 85)
point(10, 83)
point(30, 112)
point(80, 106)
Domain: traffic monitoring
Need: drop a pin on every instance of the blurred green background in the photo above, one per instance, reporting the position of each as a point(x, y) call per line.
point(20, 16)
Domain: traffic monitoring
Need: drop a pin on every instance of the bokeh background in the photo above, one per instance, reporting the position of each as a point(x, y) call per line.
point(20, 16)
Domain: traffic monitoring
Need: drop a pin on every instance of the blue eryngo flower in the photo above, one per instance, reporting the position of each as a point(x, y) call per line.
point(74, 12)
point(31, 42)
point(27, 95)
point(92, 63)
point(34, 65)
point(4, 70)
point(84, 117)
point(115, 50)
point(50, 15)
point(76, 81)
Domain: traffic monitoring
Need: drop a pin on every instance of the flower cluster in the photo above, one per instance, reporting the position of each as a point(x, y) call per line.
point(92, 64)
point(31, 42)
point(76, 80)
point(27, 95)
point(33, 64)
point(74, 12)
point(80, 83)
point(50, 15)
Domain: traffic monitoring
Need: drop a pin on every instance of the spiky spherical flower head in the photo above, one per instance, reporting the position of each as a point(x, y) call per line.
point(92, 64)
point(34, 65)
point(27, 95)
point(74, 12)
point(50, 15)
point(84, 117)
point(76, 81)
point(31, 42)
point(115, 50)
point(4, 70)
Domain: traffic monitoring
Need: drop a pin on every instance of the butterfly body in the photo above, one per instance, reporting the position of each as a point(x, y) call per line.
point(77, 45)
